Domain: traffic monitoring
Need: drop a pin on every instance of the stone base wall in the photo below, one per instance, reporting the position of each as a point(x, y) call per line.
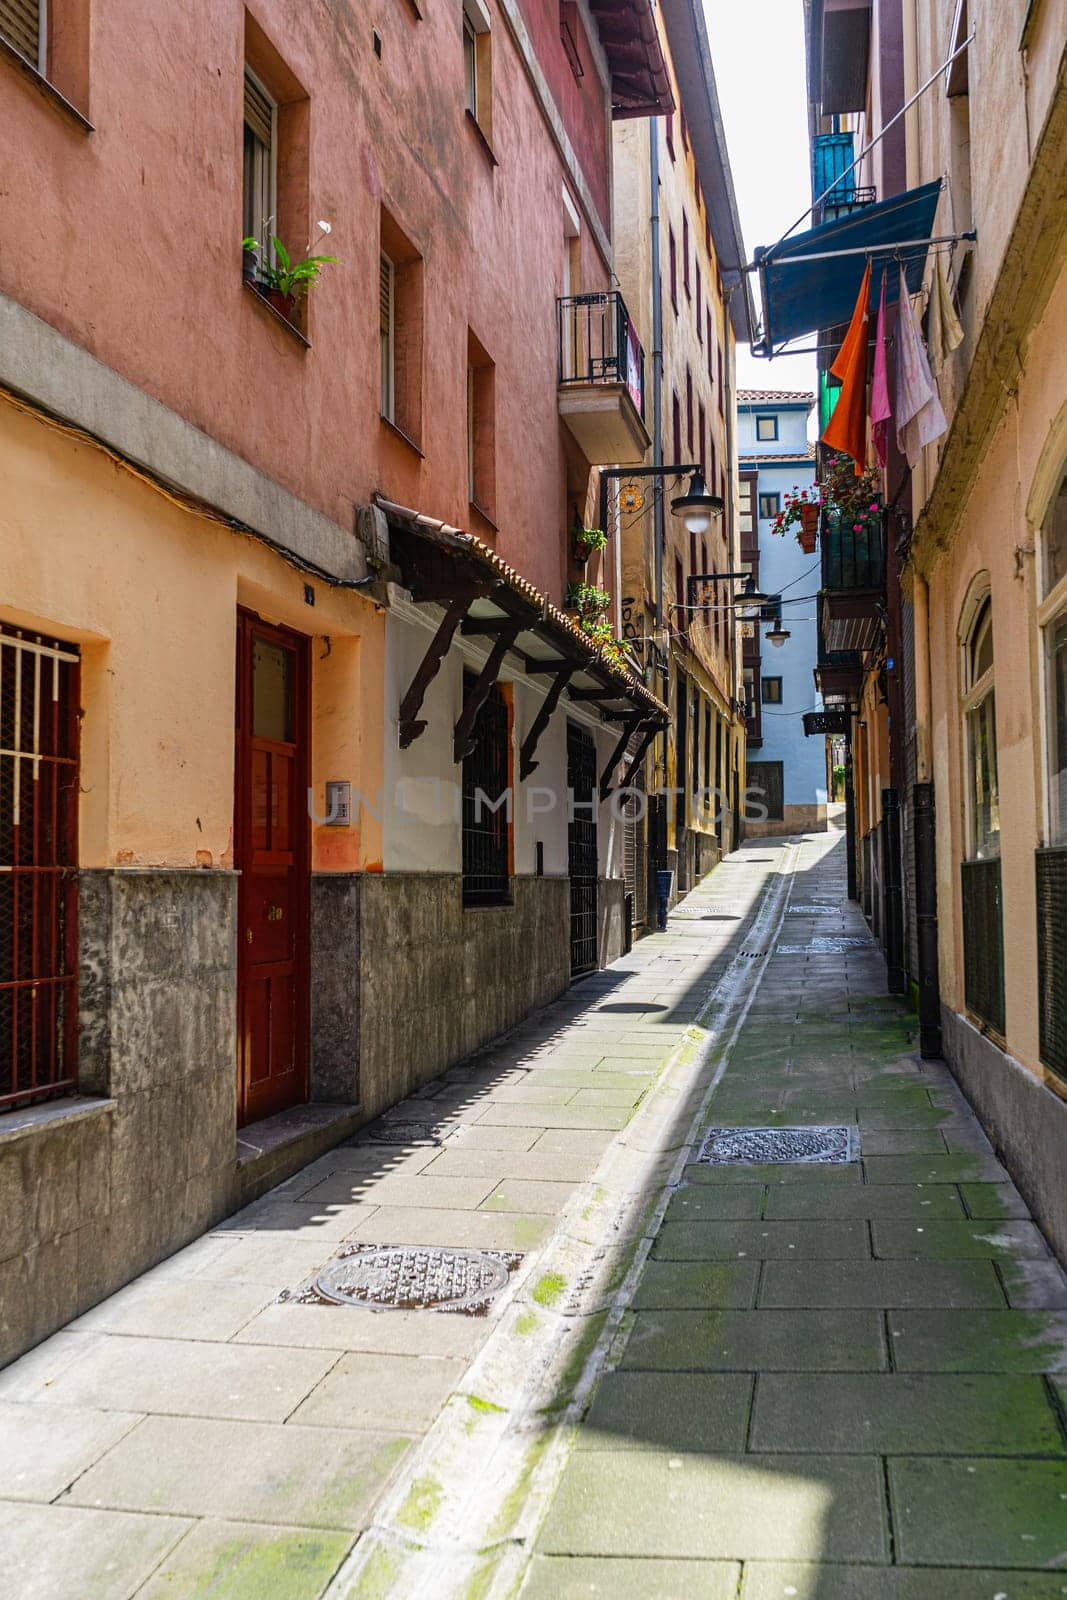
point(611, 917)
point(795, 819)
point(1025, 1120)
point(438, 979)
point(102, 1188)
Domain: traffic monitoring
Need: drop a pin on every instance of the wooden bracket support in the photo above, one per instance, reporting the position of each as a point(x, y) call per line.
point(649, 733)
point(463, 735)
point(411, 705)
point(629, 728)
point(527, 763)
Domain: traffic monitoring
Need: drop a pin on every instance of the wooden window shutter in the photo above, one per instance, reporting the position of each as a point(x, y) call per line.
point(385, 296)
point(259, 109)
point(20, 25)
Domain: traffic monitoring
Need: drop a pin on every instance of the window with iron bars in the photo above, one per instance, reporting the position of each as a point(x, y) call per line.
point(38, 867)
point(487, 804)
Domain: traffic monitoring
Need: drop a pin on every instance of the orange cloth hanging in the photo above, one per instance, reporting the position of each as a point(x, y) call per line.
point(847, 428)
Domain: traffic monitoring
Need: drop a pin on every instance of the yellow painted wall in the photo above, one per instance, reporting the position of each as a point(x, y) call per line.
point(150, 590)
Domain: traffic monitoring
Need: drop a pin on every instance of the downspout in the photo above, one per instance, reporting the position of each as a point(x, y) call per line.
point(658, 522)
point(925, 834)
point(729, 406)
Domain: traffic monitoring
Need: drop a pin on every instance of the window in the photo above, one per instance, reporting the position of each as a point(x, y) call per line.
point(766, 428)
point(772, 691)
point(477, 65)
point(684, 129)
point(689, 409)
point(1054, 570)
point(672, 256)
point(481, 428)
point(685, 254)
point(722, 402)
point(699, 299)
point(746, 502)
point(979, 712)
point(769, 505)
point(765, 787)
point(386, 274)
point(569, 28)
point(669, 128)
point(711, 357)
point(400, 320)
point(702, 433)
point(260, 201)
point(487, 802)
point(23, 23)
point(676, 424)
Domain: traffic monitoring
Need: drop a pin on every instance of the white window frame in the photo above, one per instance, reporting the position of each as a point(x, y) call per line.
point(1051, 610)
point(387, 338)
point(268, 224)
point(475, 22)
point(975, 693)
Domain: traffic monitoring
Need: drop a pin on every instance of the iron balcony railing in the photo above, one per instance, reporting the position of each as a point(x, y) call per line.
point(843, 202)
point(853, 554)
point(1051, 865)
point(598, 343)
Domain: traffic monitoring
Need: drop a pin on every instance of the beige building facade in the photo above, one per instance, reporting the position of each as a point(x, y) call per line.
point(678, 258)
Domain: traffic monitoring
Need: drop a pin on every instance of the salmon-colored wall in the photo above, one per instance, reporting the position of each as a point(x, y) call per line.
point(581, 101)
point(128, 240)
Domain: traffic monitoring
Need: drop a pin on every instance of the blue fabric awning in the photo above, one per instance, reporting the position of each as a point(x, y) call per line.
point(802, 297)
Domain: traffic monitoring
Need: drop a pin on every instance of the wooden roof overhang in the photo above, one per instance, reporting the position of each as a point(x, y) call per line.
point(640, 85)
point(483, 596)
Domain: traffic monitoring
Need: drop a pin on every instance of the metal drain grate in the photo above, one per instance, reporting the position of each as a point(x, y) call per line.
point(812, 911)
point(407, 1278)
point(409, 1132)
point(780, 1145)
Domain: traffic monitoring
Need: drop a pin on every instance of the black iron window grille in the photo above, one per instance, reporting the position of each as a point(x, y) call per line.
point(487, 804)
point(1052, 957)
point(983, 942)
point(582, 856)
point(39, 702)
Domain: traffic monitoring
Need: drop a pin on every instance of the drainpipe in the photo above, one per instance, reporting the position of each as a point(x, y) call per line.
point(658, 523)
point(728, 514)
point(925, 835)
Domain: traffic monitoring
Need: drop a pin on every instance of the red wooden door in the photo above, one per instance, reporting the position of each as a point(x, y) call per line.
point(271, 854)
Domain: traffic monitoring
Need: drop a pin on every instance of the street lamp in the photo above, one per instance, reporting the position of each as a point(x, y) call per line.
point(777, 635)
point(749, 600)
point(697, 507)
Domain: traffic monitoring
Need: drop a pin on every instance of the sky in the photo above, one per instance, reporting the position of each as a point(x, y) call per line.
point(757, 48)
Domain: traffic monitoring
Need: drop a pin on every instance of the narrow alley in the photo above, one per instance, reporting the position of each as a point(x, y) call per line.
point(682, 1372)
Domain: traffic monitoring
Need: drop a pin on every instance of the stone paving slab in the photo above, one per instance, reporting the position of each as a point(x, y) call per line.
point(39, 1460)
point(380, 1391)
point(677, 1412)
point(584, 1578)
point(626, 1502)
point(681, 1285)
point(782, 1241)
point(753, 1341)
point(880, 1283)
point(957, 1241)
point(793, 1581)
point(248, 1471)
point(980, 1512)
point(868, 1201)
point(894, 1413)
point(978, 1341)
point(52, 1552)
point(240, 1561)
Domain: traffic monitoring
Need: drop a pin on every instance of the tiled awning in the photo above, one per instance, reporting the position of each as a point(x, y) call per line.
point(640, 86)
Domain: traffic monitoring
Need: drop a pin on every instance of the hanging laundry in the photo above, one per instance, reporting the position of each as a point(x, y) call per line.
point(946, 333)
point(920, 419)
point(847, 428)
point(880, 407)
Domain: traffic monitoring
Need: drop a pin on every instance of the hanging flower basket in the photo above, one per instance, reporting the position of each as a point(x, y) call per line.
point(809, 527)
point(801, 512)
point(585, 541)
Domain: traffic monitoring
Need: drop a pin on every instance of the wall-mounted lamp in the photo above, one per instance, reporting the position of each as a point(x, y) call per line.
point(697, 507)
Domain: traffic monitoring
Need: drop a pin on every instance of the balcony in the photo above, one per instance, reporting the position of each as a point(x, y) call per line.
point(602, 379)
point(839, 676)
point(853, 582)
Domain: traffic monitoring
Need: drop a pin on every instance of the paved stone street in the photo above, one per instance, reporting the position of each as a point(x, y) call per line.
point(822, 1381)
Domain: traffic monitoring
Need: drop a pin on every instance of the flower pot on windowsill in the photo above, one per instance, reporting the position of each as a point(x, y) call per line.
point(581, 551)
point(283, 304)
point(809, 528)
point(250, 267)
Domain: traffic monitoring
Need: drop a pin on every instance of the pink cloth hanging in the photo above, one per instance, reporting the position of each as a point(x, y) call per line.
point(881, 410)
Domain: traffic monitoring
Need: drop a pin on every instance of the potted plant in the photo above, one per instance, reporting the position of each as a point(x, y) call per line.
point(801, 511)
point(599, 632)
point(587, 601)
point(283, 282)
point(586, 541)
point(854, 497)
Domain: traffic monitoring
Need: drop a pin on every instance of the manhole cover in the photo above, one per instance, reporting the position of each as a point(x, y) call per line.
point(777, 1145)
point(811, 911)
point(405, 1278)
point(409, 1132)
